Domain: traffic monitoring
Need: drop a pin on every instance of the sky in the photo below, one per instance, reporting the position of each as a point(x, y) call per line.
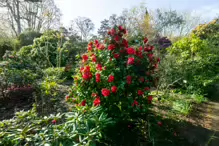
point(97, 10)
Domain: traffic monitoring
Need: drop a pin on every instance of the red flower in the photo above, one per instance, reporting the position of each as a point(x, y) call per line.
point(121, 28)
point(140, 48)
point(98, 78)
point(125, 43)
point(96, 42)
point(156, 66)
point(67, 97)
point(112, 32)
point(54, 121)
point(111, 47)
point(131, 61)
point(116, 56)
point(148, 48)
point(141, 79)
point(139, 54)
point(160, 123)
point(125, 31)
point(158, 60)
point(87, 76)
point(89, 48)
point(147, 89)
point(83, 103)
point(87, 69)
point(114, 89)
point(129, 79)
point(150, 97)
point(111, 78)
point(100, 46)
point(150, 56)
point(81, 69)
point(99, 67)
point(97, 101)
point(94, 58)
point(117, 38)
point(105, 92)
point(122, 50)
point(135, 103)
point(145, 40)
point(85, 58)
point(140, 92)
point(131, 51)
point(90, 44)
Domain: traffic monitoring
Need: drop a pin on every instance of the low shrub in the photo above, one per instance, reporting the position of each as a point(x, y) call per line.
point(78, 127)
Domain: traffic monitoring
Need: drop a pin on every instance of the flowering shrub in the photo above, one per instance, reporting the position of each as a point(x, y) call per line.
point(115, 75)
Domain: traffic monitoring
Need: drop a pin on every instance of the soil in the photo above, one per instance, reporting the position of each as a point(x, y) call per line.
point(16, 101)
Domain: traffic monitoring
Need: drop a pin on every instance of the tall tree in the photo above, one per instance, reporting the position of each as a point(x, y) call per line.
point(84, 26)
point(34, 14)
point(113, 20)
point(104, 27)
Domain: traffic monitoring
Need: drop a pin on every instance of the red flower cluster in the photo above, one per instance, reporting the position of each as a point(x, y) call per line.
point(136, 65)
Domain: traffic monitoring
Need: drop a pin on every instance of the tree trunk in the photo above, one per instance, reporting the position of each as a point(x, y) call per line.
point(18, 17)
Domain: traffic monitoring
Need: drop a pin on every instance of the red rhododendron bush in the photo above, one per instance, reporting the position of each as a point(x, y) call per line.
point(116, 75)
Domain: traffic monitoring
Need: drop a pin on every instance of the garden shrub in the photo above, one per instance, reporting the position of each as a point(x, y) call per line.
point(17, 74)
point(116, 76)
point(72, 128)
point(6, 45)
point(205, 31)
point(47, 51)
point(191, 64)
point(26, 38)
